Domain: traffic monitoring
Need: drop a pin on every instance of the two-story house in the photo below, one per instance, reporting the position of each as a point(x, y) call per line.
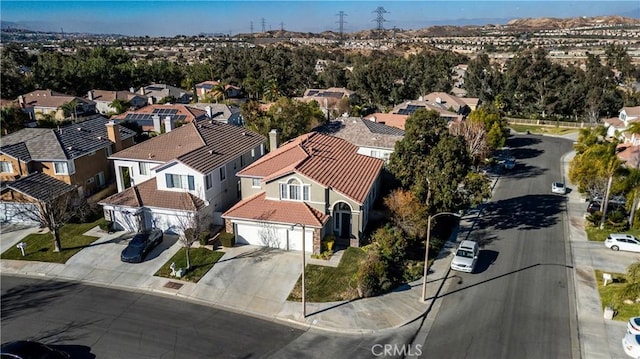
point(188, 169)
point(37, 104)
point(76, 154)
point(162, 118)
point(460, 105)
point(312, 186)
point(221, 112)
point(206, 87)
point(617, 126)
point(104, 99)
point(372, 138)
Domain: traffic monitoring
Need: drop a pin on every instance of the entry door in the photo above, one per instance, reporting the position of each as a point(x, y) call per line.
point(345, 225)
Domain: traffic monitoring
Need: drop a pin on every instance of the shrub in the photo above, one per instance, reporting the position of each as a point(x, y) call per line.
point(328, 242)
point(204, 237)
point(227, 239)
point(372, 276)
point(106, 226)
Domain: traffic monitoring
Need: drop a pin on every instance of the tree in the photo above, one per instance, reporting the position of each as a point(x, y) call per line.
point(192, 225)
point(12, 119)
point(407, 212)
point(494, 124)
point(70, 109)
point(119, 105)
point(475, 136)
point(631, 290)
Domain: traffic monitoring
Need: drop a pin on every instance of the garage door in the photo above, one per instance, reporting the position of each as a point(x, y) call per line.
point(23, 213)
point(273, 236)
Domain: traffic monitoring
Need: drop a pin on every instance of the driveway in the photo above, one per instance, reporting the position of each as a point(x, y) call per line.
point(11, 234)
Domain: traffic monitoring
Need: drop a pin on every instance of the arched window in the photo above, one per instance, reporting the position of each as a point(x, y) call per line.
point(294, 190)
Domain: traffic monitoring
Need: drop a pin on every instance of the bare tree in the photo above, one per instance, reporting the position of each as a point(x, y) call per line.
point(54, 211)
point(475, 136)
point(192, 225)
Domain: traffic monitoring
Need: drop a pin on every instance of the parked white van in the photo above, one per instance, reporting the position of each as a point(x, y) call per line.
point(466, 257)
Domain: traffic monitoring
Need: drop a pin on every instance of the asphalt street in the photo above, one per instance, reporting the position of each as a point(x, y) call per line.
point(516, 305)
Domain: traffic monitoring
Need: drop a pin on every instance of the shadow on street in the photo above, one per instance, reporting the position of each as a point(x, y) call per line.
point(525, 212)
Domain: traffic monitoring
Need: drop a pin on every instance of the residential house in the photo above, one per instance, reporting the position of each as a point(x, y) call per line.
point(313, 186)
point(41, 103)
point(206, 87)
point(327, 99)
point(161, 118)
point(629, 154)
point(460, 105)
point(617, 126)
point(409, 107)
point(76, 154)
point(186, 170)
point(220, 112)
point(104, 99)
point(157, 92)
point(389, 119)
point(372, 138)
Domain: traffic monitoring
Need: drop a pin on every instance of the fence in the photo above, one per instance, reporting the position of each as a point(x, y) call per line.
point(549, 123)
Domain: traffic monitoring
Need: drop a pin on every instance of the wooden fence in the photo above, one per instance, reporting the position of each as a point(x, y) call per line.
point(549, 123)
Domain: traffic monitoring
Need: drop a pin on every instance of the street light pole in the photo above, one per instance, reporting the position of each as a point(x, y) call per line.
point(423, 298)
point(304, 303)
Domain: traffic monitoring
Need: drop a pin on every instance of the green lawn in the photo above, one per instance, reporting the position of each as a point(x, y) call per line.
point(543, 129)
point(201, 259)
point(609, 297)
point(597, 234)
point(329, 284)
point(40, 246)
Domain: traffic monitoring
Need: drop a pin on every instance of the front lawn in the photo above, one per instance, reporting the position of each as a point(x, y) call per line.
point(543, 129)
point(330, 284)
point(597, 234)
point(609, 297)
point(201, 259)
point(40, 246)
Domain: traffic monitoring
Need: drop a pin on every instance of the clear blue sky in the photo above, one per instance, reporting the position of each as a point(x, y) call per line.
point(170, 18)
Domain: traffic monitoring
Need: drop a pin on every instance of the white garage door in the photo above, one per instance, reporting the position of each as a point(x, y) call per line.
point(23, 213)
point(273, 236)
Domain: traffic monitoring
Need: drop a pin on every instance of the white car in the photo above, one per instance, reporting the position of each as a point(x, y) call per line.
point(631, 345)
point(625, 242)
point(558, 187)
point(633, 325)
point(466, 257)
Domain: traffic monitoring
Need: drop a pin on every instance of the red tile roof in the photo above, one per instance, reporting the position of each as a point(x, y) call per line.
point(258, 208)
point(48, 98)
point(146, 194)
point(615, 122)
point(330, 161)
point(389, 119)
point(630, 155)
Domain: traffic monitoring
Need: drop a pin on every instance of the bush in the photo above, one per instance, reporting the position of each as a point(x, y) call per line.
point(372, 276)
point(106, 226)
point(328, 242)
point(204, 237)
point(227, 239)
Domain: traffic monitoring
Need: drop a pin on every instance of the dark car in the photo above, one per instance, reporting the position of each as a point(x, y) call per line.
point(140, 245)
point(594, 206)
point(26, 349)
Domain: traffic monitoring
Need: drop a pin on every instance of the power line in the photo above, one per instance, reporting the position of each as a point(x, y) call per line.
point(281, 26)
point(341, 15)
point(251, 24)
point(380, 11)
point(264, 23)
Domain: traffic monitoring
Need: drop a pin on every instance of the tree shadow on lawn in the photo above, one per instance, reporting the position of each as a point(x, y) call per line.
point(525, 212)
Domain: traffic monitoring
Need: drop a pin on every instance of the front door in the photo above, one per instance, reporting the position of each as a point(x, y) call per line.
point(345, 225)
point(126, 177)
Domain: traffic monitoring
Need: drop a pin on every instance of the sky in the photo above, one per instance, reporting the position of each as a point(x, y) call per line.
point(192, 17)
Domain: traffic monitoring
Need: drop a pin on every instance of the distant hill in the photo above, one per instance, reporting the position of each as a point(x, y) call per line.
point(556, 23)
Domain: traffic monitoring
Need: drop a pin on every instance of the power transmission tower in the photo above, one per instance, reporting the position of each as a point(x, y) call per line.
point(380, 11)
point(251, 24)
point(281, 26)
point(264, 23)
point(341, 21)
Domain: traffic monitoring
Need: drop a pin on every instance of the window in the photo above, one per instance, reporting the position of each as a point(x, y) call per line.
point(223, 173)
point(241, 161)
point(208, 179)
point(253, 152)
point(100, 177)
point(294, 191)
point(63, 168)
point(108, 150)
point(144, 168)
point(375, 153)
point(255, 182)
point(5, 166)
point(180, 181)
point(262, 149)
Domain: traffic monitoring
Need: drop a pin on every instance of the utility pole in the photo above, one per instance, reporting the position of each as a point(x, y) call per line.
point(380, 11)
point(251, 24)
point(264, 23)
point(341, 21)
point(281, 26)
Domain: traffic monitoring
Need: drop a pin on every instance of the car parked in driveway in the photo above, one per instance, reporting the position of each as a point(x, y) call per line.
point(633, 325)
point(140, 245)
point(631, 345)
point(624, 242)
point(466, 257)
point(558, 187)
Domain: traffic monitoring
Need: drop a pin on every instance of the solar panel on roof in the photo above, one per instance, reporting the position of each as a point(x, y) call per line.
point(153, 88)
point(404, 111)
point(312, 93)
point(180, 118)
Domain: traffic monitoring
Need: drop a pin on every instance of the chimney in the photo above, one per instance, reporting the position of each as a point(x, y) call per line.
point(132, 89)
point(156, 123)
point(142, 91)
point(209, 111)
point(90, 95)
point(167, 124)
point(21, 101)
point(113, 133)
point(274, 138)
point(150, 100)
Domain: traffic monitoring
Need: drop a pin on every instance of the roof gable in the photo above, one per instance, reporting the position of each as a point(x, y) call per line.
point(40, 186)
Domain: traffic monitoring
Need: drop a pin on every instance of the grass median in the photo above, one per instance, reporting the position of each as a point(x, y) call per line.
point(552, 130)
point(599, 235)
point(202, 260)
point(40, 245)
